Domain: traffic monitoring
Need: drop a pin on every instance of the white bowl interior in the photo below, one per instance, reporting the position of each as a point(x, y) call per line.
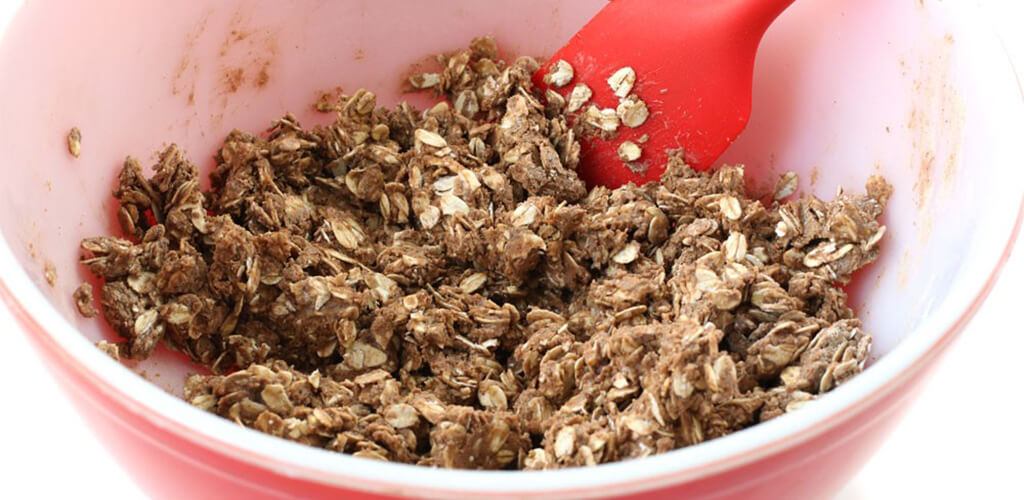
point(913, 90)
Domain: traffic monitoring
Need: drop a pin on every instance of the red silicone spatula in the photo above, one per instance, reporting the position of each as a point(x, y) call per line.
point(694, 65)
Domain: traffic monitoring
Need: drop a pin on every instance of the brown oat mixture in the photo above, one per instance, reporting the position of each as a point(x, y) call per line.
point(440, 288)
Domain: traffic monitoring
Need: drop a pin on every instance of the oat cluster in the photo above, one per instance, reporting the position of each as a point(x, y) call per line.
point(440, 288)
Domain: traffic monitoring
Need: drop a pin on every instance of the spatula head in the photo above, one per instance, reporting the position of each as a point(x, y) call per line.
point(694, 63)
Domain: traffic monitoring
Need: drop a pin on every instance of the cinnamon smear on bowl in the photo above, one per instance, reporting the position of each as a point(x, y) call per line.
point(440, 288)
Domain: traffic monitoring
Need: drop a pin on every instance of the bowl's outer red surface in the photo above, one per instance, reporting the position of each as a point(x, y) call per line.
point(169, 466)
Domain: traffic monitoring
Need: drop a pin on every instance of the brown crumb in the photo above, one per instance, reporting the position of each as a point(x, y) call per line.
point(440, 288)
point(109, 349)
point(84, 301)
point(50, 274)
point(75, 142)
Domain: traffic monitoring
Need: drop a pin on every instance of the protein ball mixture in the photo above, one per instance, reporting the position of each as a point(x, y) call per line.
point(440, 288)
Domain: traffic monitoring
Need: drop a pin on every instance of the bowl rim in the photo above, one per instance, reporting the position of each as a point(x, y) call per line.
point(28, 303)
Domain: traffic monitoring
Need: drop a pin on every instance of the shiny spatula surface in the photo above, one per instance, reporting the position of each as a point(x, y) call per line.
point(693, 62)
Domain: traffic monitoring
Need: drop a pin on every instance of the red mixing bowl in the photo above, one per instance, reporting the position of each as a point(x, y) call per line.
point(920, 91)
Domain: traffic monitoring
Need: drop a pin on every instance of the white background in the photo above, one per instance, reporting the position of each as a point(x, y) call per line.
point(961, 440)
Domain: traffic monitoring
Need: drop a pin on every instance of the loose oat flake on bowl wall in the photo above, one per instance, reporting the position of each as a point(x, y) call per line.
point(440, 288)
